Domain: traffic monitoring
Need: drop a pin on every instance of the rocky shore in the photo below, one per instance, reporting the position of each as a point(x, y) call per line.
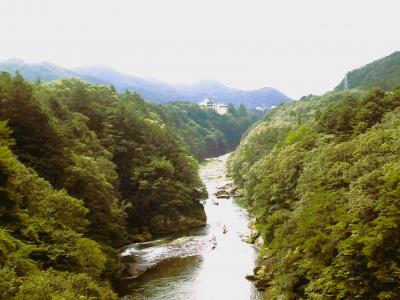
point(147, 253)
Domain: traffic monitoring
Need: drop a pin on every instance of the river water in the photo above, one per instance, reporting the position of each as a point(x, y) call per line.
point(203, 264)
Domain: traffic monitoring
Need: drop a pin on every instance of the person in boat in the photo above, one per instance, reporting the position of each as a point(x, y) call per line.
point(214, 242)
point(224, 230)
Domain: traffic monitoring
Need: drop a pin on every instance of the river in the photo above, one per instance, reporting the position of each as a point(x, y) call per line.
point(203, 264)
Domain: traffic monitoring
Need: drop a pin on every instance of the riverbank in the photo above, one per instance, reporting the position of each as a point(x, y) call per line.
point(205, 263)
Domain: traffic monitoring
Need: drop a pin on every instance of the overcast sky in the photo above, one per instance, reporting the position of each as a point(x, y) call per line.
point(299, 47)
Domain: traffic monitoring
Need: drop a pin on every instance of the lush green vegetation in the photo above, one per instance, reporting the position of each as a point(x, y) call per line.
point(203, 132)
point(383, 73)
point(83, 171)
point(322, 176)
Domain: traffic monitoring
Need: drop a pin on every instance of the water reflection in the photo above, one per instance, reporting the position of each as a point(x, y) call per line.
point(171, 279)
point(206, 264)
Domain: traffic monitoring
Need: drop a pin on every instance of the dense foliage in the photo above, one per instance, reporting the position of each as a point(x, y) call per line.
point(383, 73)
point(322, 176)
point(204, 132)
point(82, 171)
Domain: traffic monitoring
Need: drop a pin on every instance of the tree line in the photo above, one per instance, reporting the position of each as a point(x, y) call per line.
point(83, 171)
point(322, 177)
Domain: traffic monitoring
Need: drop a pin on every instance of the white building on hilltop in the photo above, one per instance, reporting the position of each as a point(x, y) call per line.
point(218, 107)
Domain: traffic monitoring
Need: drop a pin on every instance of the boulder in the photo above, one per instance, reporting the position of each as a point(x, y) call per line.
point(251, 238)
point(124, 272)
point(250, 277)
point(259, 242)
point(223, 196)
point(266, 261)
point(237, 193)
point(254, 234)
point(141, 237)
point(247, 239)
point(127, 267)
point(252, 223)
point(262, 284)
point(256, 269)
point(220, 192)
point(228, 186)
point(261, 272)
point(127, 259)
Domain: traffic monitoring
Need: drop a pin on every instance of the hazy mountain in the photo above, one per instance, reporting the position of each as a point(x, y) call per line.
point(384, 73)
point(156, 91)
point(153, 90)
point(43, 70)
point(161, 92)
point(266, 96)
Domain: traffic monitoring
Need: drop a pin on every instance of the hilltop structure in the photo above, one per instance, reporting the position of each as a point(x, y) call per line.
point(220, 108)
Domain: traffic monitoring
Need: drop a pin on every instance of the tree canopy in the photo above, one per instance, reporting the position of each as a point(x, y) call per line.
point(322, 176)
point(83, 171)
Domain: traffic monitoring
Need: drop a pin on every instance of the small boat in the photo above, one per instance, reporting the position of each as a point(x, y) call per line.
point(213, 242)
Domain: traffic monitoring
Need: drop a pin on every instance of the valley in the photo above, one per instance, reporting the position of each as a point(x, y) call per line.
point(207, 263)
point(107, 194)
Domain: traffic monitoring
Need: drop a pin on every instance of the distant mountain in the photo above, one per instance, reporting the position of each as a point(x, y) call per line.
point(162, 92)
point(150, 89)
point(266, 96)
point(44, 71)
point(156, 91)
point(383, 73)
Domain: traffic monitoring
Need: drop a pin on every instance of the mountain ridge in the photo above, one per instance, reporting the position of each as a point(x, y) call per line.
point(154, 90)
point(383, 73)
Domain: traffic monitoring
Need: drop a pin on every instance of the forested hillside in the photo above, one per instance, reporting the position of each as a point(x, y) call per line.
point(203, 132)
point(42, 71)
point(83, 171)
point(322, 177)
point(383, 73)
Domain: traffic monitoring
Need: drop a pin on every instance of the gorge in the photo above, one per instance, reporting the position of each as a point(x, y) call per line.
point(200, 264)
point(100, 188)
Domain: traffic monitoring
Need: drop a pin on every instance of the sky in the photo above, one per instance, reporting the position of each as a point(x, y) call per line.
point(298, 47)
